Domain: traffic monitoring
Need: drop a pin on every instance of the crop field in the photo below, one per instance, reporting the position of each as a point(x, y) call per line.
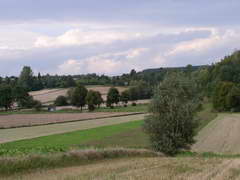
point(49, 95)
point(145, 168)
point(23, 120)
point(7, 135)
point(221, 135)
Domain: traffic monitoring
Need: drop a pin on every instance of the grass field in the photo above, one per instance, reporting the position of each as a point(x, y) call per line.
point(66, 141)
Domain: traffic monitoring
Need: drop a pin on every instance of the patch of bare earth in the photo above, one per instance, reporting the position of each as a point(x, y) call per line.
point(144, 169)
point(21, 120)
point(222, 135)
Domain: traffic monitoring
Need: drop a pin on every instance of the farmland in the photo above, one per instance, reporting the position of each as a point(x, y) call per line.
point(37, 131)
point(104, 133)
point(49, 95)
point(221, 135)
point(24, 120)
point(145, 168)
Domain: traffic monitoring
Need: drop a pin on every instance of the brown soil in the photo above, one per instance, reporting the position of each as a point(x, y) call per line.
point(21, 120)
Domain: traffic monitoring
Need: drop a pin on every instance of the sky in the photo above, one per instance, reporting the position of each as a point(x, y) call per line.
point(112, 37)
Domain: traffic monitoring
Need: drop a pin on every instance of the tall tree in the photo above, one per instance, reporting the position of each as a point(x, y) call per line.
point(171, 124)
point(6, 96)
point(78, 95)
point(125, 97)
point(113, 97)
point(26, 78)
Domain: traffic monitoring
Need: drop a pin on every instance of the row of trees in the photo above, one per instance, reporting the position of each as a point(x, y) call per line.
point(18, 97)
point(32, 82)
point(80, 97)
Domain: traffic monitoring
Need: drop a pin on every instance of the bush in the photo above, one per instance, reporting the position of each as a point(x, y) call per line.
point(171, 125)
point(134, 104)
point(61, 101)
point(37, 105)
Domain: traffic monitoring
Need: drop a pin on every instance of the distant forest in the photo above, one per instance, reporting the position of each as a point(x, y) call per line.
point(220, 82)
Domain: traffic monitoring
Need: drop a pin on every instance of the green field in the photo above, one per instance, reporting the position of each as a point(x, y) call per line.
point(66, 141)
point(122, 135)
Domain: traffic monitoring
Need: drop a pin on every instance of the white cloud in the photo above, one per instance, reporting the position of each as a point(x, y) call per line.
point(204, 44)
point(108, 63)
point(79, 37)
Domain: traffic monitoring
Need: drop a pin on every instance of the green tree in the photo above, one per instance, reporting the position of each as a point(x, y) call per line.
point(220, 95)
point(99, 99)
point(171, 123)
point(133, 94)
point(124, 98)
point(113, 97)
point(20, 95)
point(6, 96)
point(26, 78)
point(78, 95)
point(233, 99)
point(61, 101)
point(91, 100)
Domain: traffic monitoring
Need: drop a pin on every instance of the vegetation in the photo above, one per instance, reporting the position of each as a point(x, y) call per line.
point(64, 142)
point(113, 97)
point(125, 97)
point(10, 166)
point(78, 95)
point(93, 99)
point(6, 98)
point(171, 124)
point(61, 101)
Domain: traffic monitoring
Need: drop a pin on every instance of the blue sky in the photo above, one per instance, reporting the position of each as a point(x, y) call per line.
point(112, 37)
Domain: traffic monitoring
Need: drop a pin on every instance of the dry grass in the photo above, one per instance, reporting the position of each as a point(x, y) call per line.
point(145, 168)
point(13, 165)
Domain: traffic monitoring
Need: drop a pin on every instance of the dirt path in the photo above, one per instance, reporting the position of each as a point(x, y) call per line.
point(222, 135)
point(146, 168)
point(7, 135)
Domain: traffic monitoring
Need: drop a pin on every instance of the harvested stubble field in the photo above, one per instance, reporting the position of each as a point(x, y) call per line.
point(23, 120)
point(49, 95)
point(221, 135)
point(145, 168)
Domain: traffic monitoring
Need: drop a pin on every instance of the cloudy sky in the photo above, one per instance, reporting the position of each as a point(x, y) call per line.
point(114, 36)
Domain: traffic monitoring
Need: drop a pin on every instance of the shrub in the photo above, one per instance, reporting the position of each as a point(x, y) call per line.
point(134, 104)
point(61, 101)
point(37, 105)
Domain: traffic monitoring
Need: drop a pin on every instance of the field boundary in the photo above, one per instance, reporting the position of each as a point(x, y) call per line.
point(64, 122)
